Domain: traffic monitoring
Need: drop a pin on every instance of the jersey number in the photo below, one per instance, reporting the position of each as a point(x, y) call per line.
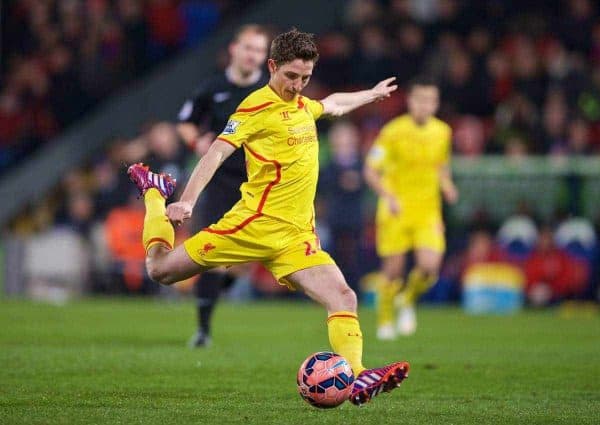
point(309, 248)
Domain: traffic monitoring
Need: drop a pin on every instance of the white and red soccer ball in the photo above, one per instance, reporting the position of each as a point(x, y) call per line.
point(325, 380)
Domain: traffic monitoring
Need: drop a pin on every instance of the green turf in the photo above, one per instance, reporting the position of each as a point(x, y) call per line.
point(125, 362)
point(2, 266)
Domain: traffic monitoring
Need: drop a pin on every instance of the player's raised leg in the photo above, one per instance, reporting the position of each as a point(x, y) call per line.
point(165, 264)
point(326, 285)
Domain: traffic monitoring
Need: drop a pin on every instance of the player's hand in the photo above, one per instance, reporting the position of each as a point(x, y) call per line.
point(178, 212)
point(450, 193)
point(393, 204)
point(383, 88)
point(203, 143)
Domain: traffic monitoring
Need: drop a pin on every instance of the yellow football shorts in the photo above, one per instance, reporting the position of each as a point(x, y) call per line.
point(243, 236)
point(404, 232)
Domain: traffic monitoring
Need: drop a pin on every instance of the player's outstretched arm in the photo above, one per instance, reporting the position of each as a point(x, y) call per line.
point(338, 104)
point(218, 152)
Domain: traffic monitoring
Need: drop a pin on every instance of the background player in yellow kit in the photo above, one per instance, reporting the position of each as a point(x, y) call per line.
point(408, 167)
point(274, 221)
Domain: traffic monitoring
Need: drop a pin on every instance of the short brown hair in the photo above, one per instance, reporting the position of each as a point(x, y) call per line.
point(292, 45)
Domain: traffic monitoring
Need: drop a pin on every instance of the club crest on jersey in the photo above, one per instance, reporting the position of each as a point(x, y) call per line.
point(285, 115)
point(231, 127)
point(206, 249)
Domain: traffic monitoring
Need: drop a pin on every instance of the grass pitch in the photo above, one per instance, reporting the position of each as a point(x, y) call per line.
point(126, 362)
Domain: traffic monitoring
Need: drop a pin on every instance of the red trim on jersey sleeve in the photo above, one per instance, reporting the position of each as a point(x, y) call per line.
point(255, 108)
point(227, 141)
point(277, 165)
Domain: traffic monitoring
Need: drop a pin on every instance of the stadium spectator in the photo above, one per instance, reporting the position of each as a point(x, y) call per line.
point(469, 136)
point(166, 28)
point(165, 152)
point(135, 36)
point(361, 12)
point(554, 121)
point(552, 274)
point(462, 88)
point(341, 188)
point(123, 232)
point(410, 56)
point(79, 213)
point(481, 248)
point(372, 57)
point(108, 180)
point(67, 99)
point(336, 57)
point(578, 137)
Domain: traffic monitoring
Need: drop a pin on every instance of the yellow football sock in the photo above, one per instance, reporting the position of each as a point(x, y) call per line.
point(416, 285)
point(345, 338)
point(386, 292)
point(157, 227)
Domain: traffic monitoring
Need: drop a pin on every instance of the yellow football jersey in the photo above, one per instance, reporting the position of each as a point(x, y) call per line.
point(282, 154)
point(409, 157)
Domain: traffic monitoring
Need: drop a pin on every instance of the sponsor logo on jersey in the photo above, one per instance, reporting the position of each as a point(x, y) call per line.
point(231, 127)
point(301, 134)
point(303, 128)
point(301, 140)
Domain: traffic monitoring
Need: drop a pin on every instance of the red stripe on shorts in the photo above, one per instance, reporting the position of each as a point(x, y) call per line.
point(235, 229)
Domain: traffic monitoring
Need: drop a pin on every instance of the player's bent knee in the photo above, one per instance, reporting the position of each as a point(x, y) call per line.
point(158, 273)
point(348, 299)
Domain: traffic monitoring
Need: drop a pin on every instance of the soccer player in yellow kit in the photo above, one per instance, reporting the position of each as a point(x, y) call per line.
point(274, 221)
point(408, 167)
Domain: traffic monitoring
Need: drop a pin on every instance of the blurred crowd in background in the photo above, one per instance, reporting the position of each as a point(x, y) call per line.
point(61, 57)
point(516, 78)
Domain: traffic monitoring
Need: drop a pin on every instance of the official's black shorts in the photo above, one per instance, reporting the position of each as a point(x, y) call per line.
point(215, 201)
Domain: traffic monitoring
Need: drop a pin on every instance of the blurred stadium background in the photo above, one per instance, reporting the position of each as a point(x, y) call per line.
point(87, 86)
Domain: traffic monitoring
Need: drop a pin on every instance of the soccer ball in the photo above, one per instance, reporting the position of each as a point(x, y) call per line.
point(325, 380)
